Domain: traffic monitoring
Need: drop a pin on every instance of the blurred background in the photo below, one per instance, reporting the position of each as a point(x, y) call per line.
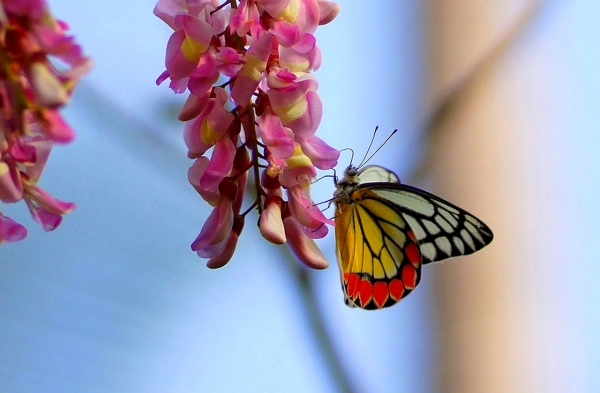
point(497, 109)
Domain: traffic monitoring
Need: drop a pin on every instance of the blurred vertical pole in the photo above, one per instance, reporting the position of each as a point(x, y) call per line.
point(483, 311)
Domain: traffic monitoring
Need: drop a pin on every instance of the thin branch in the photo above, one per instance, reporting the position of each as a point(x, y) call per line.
point(331, 357)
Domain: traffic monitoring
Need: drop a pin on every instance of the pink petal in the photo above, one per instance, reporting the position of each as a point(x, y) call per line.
point(163, 77)
point(320, 153)
point(252, 72)
point(306, 213)
point(230, 61)
point(226, 253)
point(195, 173)
point(10, 230)
point(221, 163)
point(271, 222)
point(305, 44)
point(33, 9)
point(328, 10)
point(48, 220)
point(42, 151)
point(167, 10)
point(297, 167)
point(245, 19)
point(305, 248)
point(176, 62)
point(55, 127)
point(48, 202)
point(48, 90)
point(212, 239)
point(306, 16)
point(287, 34)
point(278, 139)
point(10, 185)
point(300, 62)
point(194, 105)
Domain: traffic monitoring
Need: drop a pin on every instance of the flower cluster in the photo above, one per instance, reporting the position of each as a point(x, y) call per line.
point(253, 108)
point(39, 67)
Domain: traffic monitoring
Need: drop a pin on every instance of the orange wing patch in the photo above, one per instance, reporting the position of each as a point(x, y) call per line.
point(378, 255)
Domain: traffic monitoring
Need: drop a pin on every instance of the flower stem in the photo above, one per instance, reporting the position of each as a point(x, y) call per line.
point(331, 358)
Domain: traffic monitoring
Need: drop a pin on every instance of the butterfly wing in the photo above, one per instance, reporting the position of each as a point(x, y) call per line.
point(376, 174)
point(386, 230)
point(379, 258)
point(441, 229)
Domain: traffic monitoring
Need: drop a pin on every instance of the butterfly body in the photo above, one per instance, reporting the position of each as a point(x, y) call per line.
point(386, 231)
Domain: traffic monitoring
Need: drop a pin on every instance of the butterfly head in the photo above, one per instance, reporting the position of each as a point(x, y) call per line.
point(350, 172)
point(346, 185)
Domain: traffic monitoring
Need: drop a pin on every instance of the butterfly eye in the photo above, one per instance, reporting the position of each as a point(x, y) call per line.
point(351, 171)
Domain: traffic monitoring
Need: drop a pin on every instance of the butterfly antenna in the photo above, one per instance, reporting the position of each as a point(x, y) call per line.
point(379, 148)
point(351, 153)
point(364, 160)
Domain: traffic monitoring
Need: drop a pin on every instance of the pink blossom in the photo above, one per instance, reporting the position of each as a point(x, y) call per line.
point(210, 126)
point(45, 209)
point(250, 75)
point(320, 153)
point(10, 230)
point(304, 211)
point(296, 169)
point(213, 237)
point(33, 91)
point(300, 62)
point(271, 220)
point(11, 187)
point(246, 19)
point(328, 10)
point(296, 103)
point(220, 165)
point(253, 109)
point(305, 248)
point(187, 44)
point(279, 140)
point(305, 14)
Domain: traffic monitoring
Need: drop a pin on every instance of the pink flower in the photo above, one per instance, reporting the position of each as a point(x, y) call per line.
point(304, 14)
point(10, 230)
point(304, 247)
point(246, 19)
point(212, 240)
point(210, 126)
point(250, 75)
point(304, 211)
point(187, 44)
point(296, 103)
point(279, 139)
point(32, 91)
point(260, 119)
point(271, 220)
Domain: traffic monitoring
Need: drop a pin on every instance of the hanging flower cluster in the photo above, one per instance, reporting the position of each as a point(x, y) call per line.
point(39, 68)
point(253, 108)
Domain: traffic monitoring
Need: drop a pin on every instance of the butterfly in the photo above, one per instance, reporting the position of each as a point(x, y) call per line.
point(385, 231)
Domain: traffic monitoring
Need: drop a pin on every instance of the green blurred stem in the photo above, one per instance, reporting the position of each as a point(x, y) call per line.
point(323, 338)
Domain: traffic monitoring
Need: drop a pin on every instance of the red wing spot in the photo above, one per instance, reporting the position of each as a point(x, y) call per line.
point(366, 292)
point(396, 289)
point(409, 276)
point(412, 253)
point(353, 286)
point(380, 293)
point(411, 234)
